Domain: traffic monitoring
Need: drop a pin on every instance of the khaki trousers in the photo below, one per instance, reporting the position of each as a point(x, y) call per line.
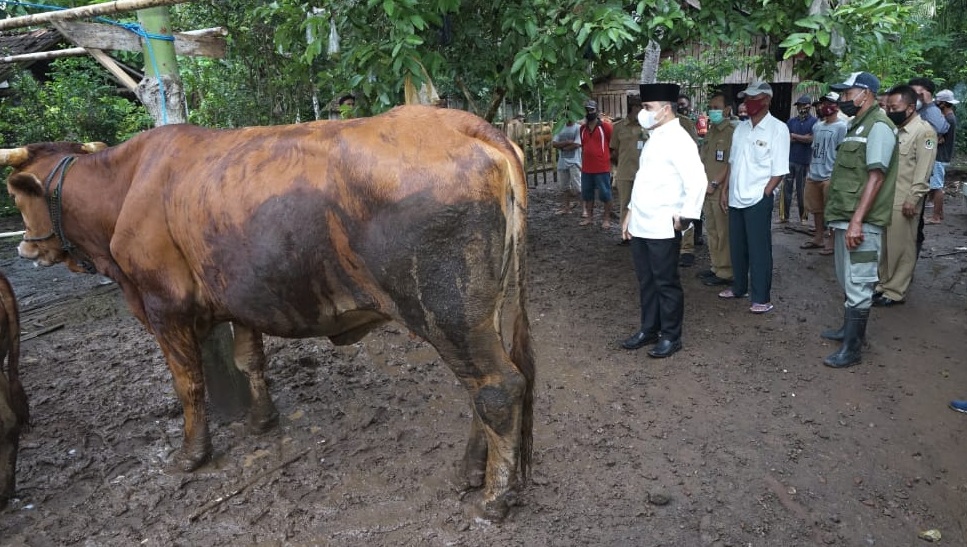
point(717, 234)
point(624, 194)
point(898, 257)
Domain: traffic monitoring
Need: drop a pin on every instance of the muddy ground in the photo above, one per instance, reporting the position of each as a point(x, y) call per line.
point(743, 438)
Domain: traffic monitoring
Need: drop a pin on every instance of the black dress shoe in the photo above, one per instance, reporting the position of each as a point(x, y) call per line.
point(624, 242)
point(884, 302)
point(715, 281)
point(686, 260)
point(640, 339)
point(665, 348)
point(705, 273)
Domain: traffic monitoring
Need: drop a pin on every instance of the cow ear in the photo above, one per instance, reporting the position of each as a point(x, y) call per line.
point(26, 184)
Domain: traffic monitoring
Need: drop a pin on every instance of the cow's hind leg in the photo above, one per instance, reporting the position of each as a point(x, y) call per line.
point(183, 355)
point(250, 359)
point(496, 390)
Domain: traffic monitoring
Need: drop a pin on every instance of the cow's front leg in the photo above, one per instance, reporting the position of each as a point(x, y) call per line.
point(472, 468)
point(250, 359)
point(183, 355)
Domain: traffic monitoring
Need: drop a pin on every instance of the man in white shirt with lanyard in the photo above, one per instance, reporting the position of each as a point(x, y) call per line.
point(667, 196)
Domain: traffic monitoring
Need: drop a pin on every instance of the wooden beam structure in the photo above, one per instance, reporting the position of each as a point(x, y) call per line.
point(84, 12)
point(208, 42)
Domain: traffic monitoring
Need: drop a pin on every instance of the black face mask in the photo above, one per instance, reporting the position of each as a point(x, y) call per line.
point(743, 117)
point(591, 116)
point(897, 117)
point(848, 107)
point(682, 110)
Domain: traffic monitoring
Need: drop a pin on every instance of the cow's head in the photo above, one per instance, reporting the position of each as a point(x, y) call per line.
point(40, 242)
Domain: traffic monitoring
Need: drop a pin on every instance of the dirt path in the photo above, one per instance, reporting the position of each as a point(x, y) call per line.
point(743, 438)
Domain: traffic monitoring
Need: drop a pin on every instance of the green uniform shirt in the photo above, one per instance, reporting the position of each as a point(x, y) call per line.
point(627, 140)
point(716, 148)
point(853, 163)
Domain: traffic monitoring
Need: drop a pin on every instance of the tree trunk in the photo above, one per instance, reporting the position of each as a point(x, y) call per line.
point(649, 68)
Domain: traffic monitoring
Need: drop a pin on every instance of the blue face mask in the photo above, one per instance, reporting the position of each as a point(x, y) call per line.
point(715, 116)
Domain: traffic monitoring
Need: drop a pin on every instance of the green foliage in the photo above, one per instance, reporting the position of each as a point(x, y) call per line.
point(78, 103)
point(711, 67)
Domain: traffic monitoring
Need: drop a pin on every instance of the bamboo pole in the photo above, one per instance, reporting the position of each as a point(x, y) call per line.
point(84, 12)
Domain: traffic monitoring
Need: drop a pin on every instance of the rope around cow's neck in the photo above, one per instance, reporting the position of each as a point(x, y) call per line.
point(55, 206)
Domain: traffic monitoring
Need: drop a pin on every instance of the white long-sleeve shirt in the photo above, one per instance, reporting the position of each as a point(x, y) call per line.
point(670, 182)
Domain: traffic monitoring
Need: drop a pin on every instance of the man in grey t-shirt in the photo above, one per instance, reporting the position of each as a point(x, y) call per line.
point(567, 141)
point(827, 134)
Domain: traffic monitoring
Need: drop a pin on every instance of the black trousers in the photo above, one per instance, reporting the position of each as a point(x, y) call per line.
point(659, 286)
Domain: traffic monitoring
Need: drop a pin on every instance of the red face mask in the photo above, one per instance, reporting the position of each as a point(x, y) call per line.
point(827, 110)
point(754, 106)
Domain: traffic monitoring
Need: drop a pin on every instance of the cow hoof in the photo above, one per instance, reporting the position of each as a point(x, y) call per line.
point(260, 423)
point(188, 460)
point(495, 510)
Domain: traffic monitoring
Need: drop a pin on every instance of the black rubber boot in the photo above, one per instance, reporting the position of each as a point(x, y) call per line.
point(837, 334)
point(854, 335)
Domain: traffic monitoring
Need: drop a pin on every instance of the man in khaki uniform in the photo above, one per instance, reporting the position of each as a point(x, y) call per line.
point(688, 236)
point(715, 156)
point(627, 140)
point(918, 150)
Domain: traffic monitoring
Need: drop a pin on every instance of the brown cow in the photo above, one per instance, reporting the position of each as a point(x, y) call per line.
point(320, 229)
point(14, 414)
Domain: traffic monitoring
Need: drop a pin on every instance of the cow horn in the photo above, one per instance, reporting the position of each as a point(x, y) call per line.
point(91, 147)
point(13, 156)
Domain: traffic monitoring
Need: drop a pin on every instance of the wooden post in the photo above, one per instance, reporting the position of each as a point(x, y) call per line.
point(161, 90)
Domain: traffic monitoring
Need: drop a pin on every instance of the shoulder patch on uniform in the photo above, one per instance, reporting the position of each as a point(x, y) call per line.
point(929, 144)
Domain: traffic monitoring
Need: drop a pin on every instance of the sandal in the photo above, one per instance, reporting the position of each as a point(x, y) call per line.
point(727, 293)
point(584, 221)
point(761, 308)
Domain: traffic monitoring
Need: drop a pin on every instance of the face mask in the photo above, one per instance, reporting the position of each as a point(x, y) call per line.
point(591, 116)
point(919, 104)
point(647, 119)
point(850, 108)
point(743, 117)
point(803, 113)
point(827, 110)
point(898, 118)
point(682, 109)
point(754, 107)
point(715, 116)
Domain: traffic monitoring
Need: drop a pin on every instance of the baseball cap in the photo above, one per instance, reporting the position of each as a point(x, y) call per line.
point(945, 96)
point(830, 97)
point(591, 104)
point(862, 80)
point(804, 99)
point(756, 88)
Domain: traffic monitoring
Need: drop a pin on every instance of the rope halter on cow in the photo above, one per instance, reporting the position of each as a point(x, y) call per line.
point(55, 206)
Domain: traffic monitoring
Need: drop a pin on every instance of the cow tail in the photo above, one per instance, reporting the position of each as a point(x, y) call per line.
point(521, 353)
point(18, 398)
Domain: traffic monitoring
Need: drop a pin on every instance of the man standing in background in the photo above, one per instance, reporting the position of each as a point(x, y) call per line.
point(945, 101)
point(627, 140)
point(715, 152)
point(800, 150)
point(567, 141)
point(595, 165)
point(930, 112)
point(827, 134)
point(917, 147)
